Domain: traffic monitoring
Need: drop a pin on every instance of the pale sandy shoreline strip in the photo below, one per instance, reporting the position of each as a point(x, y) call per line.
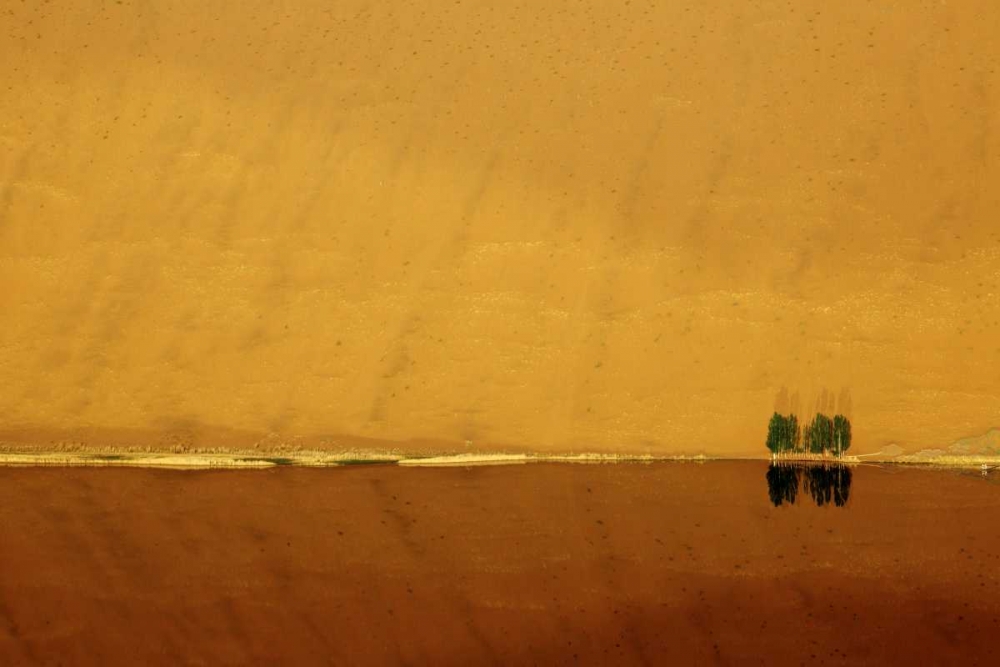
point(188, 460)
point(257, 460)
point(202, 460)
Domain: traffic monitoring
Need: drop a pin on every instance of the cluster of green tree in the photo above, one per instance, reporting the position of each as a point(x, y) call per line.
point(825, 483)
point(820, 436)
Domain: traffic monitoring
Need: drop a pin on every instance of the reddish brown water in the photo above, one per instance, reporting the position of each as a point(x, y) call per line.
point(546, 564)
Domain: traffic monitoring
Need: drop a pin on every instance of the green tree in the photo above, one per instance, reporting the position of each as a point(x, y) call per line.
point(782, 433)
point(796, 433)
point(841, 434)
point(820, 434)
point(827, 434)
point(787, 431)
point(774, 433)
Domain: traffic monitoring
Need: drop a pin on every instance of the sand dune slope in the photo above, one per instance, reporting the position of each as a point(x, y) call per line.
point(543, 226)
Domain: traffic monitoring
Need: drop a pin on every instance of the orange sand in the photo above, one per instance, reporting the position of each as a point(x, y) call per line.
point(540, 226)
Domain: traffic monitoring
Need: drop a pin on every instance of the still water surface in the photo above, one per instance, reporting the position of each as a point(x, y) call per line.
point(716, 563)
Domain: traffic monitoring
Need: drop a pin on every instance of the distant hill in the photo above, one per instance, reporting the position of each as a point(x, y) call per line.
point(981, 445)
point(987, 444)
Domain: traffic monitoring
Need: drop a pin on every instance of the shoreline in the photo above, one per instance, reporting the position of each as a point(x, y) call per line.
point(254, 459)
point(312, 459)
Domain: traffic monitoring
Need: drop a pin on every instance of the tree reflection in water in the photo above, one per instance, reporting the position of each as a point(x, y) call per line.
point(783, 483)
point(826, 483)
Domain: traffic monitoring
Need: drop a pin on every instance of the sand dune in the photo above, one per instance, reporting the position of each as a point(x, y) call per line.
point(555, 227)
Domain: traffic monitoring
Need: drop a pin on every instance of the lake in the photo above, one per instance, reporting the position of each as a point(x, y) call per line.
point(673, 563)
